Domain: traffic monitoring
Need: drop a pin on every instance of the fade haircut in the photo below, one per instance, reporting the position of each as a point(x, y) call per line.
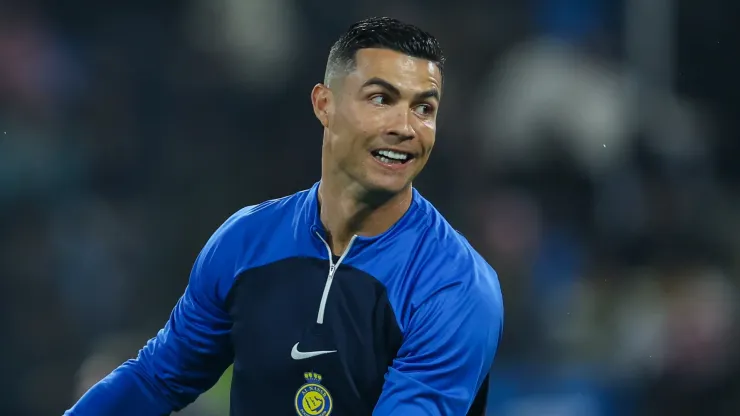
point(382, 33)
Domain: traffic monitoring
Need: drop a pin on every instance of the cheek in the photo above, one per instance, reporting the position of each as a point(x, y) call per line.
point(365, 129)
point(367, 124)
point(427, 136)
point(354, 122)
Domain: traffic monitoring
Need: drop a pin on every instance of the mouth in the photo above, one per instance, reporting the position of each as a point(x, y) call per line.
point(392, 157)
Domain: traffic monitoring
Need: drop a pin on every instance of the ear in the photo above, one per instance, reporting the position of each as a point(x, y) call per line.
point(323, 103)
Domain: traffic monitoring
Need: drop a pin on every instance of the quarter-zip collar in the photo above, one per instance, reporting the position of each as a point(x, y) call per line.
point(356, 244)
point(312, 216)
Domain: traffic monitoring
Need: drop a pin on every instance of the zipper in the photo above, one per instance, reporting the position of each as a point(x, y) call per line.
point(330, 277)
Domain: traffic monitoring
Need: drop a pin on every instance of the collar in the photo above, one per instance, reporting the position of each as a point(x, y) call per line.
point(312, 217)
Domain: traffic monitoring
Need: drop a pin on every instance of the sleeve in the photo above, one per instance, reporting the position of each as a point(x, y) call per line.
point(446, 354)
point(185, 358)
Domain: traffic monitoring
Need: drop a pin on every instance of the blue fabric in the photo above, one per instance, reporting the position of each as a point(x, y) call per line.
point(445, 297)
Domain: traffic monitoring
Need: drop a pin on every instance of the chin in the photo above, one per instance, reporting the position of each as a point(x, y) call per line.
point(387, 186)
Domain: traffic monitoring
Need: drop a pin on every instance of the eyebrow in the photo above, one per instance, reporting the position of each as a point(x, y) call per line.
point(431, 93)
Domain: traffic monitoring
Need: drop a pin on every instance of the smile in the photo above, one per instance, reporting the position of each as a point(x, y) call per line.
point(392, 157)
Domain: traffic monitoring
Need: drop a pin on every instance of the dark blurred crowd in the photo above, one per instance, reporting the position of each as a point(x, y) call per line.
point(587, 148)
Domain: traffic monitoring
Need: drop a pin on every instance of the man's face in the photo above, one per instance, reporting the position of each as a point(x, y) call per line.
point(380, 119)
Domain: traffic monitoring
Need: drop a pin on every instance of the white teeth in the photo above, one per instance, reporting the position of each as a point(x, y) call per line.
point(393, 155)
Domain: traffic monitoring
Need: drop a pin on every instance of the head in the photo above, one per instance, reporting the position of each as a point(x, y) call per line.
point(378, 105)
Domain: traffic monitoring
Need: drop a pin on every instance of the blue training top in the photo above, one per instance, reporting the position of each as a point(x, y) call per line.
point(406, 323)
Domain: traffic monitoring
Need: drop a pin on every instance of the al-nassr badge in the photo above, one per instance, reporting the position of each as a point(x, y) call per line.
point(312, 399)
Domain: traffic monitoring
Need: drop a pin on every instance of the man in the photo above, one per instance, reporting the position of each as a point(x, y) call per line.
point(354, 297)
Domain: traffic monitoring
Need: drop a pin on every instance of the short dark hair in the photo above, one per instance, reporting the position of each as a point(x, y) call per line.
point(383, 33)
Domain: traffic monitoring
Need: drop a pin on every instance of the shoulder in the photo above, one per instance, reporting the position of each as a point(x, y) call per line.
point(449, 266)
point(254, 220)
point(232, 248)
point(264, 214)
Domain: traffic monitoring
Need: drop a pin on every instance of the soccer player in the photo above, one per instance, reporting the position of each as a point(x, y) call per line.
point(354, 297)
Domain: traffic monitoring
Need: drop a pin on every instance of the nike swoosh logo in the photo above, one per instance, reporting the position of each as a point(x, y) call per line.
point(299, 355)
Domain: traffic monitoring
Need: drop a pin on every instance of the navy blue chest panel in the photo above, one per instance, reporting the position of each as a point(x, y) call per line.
point(275, 306)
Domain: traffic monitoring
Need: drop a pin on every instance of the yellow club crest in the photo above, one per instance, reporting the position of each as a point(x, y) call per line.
point(313, 399)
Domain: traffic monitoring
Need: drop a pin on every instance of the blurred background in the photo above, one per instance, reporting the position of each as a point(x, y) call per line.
point(587, 148)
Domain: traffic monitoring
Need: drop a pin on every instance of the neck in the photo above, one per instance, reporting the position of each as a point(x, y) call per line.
point(347, 211)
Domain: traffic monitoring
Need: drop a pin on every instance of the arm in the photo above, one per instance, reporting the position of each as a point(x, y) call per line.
point(446, 354)
point(185, 358)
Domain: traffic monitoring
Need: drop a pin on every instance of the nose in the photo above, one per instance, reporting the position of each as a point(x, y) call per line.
point(400, 127)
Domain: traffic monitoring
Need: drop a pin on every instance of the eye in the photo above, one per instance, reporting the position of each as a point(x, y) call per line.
point(424, 109)
point(379, 99)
